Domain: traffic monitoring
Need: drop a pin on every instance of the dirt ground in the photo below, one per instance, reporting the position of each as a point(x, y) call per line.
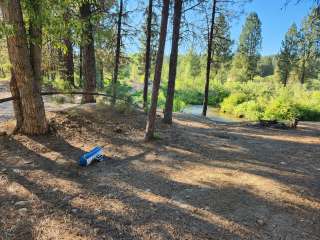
point(198, 180)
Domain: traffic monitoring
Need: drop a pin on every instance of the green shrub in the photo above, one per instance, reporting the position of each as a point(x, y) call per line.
point(282, 107)
point(250, 110)
point(228, 105)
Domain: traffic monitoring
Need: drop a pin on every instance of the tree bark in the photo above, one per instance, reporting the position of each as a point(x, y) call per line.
point(285, 80)
point(158, 70)
point(68, 62)
point(33, 112)
point(35, 33)
point(16, 102)
point(117, 57)
point(80, 67)
point(209, 60)
point(173, 62)
point(147, 57)
point(303, 73)
point(68, 54)
point(89, 60)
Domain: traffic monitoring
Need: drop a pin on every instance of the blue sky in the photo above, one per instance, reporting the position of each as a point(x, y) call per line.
point(275, 18)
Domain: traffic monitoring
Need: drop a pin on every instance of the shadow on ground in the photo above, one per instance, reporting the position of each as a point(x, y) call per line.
point(198, 181)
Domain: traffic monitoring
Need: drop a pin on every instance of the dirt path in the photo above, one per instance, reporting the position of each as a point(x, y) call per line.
point(199, 180)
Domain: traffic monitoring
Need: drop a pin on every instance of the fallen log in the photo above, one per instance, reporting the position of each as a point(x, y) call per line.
point(8, 99)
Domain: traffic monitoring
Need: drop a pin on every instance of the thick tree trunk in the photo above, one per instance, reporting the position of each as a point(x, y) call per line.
point(68, 69)
point(89, 60)
point(147, 57)
point(117, 57)
point(173, 62)
point(209, 60)
point(68, 62)
point(16, 102)
point(35, 33)
point(80, 67)
point(158, 70)
point(34, 119)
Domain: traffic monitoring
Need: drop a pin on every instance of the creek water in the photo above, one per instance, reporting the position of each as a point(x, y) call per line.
point(212, 113)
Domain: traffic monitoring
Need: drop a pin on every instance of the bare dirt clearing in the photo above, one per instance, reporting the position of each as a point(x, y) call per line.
point(200, 180)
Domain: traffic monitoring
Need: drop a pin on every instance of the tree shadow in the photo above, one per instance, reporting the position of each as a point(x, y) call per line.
point(137, 200)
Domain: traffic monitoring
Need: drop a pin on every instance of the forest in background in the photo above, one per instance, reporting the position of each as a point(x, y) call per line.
point(92, 50)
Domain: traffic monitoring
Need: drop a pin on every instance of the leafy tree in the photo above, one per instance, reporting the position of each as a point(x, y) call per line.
point(288, 54)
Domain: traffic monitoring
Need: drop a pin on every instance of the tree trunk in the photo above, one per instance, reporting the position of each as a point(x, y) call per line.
point(173, 62)
point(303, 73)
point(209, 59)
point(33, 112)
point(80, 67)
point(147, 57)
point(16, 103)
point(35, 33)
point(68, 54)
point(285, 80)
point(68, 62)
point(89, 60)
point(158, 69)
point(117, 57)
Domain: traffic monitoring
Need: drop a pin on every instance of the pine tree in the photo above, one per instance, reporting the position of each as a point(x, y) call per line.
point(158, 71)
point(288, 54)
point(247, 56)
point(194, 63)
point(309, 46)
point(221, 42)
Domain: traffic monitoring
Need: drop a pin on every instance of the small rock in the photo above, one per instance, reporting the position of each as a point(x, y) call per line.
point(55, 189)
point(260, 222)
point(27, 162)
point(18, 171)
point(74, 210)
point(148, 190)
point(98, 211)
point(283, 163)
point(96, 231)
point(21, 203)
point(82, 232)
point(67, 198)
point(3, 169)
point(118, 130)
point(23, 211)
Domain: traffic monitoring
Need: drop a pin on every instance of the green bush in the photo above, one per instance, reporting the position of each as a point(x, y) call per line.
point(228, 105)
point(250, 110)
point(281, 108)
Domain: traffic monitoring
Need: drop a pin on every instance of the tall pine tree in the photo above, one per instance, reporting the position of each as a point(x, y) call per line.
point(288, 54)
point(248, 53)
